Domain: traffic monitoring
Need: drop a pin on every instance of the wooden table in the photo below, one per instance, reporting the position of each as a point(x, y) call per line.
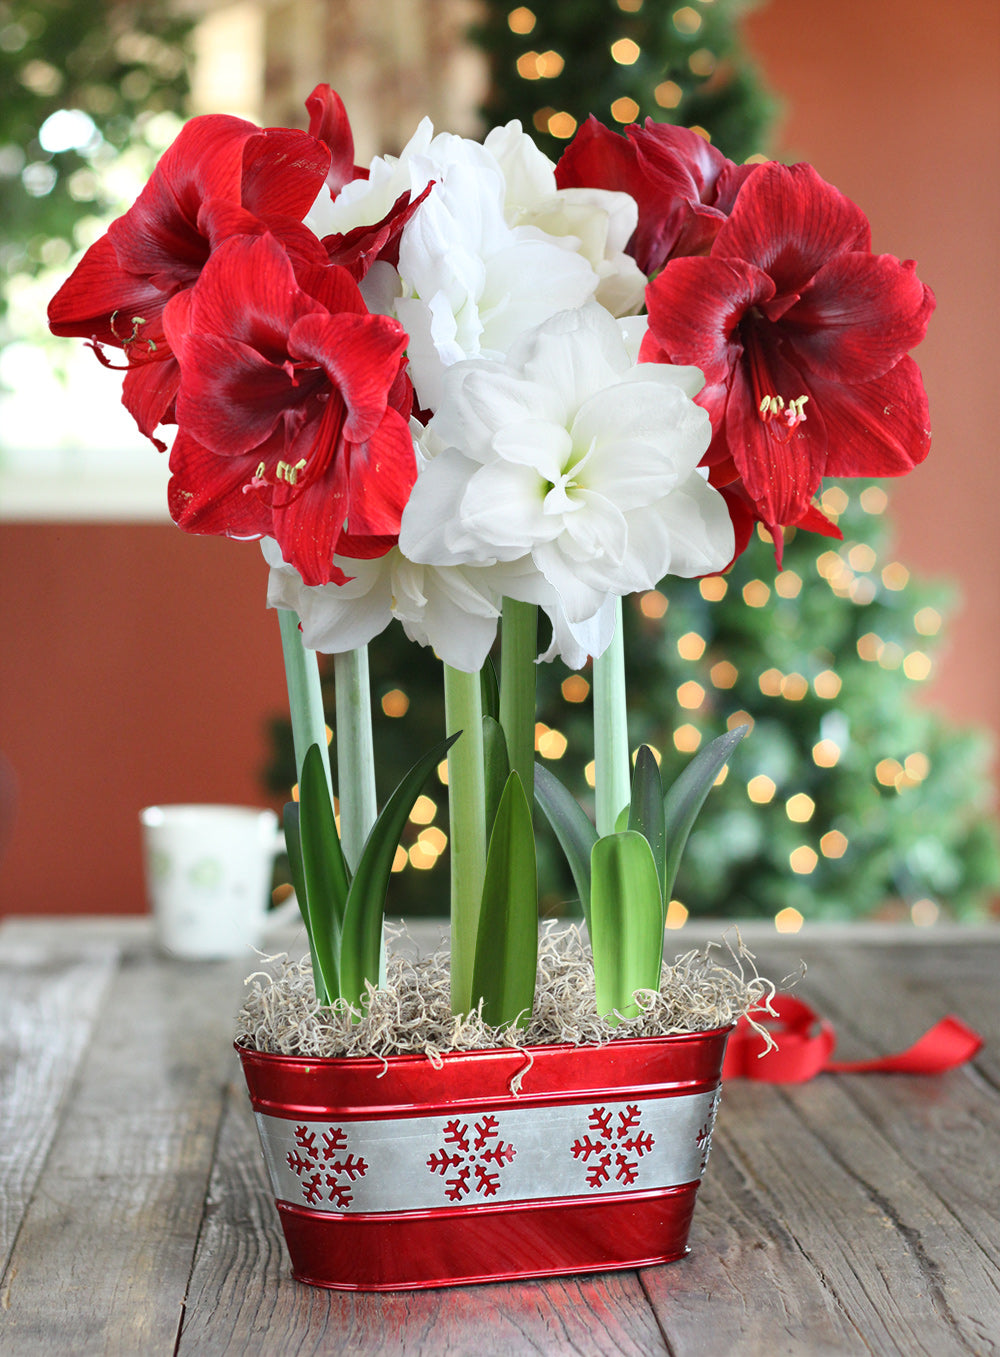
point(853, 1214)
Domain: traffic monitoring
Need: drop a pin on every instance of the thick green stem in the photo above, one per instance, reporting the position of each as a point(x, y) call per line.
point(611, 754)
point(355, 752)
point(305, 696)
point(519, 633)
point(467, 825)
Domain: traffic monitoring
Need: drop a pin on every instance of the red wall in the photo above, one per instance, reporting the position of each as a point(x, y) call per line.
point(137, 664)
point(898, 104)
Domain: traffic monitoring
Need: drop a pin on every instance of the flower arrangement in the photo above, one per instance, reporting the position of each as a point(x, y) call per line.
point(465, 386)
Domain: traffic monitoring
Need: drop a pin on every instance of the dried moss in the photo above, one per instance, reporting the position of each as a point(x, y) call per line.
point(701, 990)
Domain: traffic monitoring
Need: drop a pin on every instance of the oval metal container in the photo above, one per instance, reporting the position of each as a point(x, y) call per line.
point(396, 1174)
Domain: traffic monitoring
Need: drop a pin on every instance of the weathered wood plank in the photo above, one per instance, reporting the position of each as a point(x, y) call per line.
point(102, 1261)
point(48, 1007)
point(242, 1297)
point(876, 1231)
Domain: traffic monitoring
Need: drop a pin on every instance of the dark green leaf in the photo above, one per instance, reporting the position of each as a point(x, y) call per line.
point(496, 766)
point(626, 929)
point(646, 815)
point(293, 847)
point(686, 797)
point(324, 871)
point(362, 940)
point(489, 690)
point(574, 831)
point(507, 942)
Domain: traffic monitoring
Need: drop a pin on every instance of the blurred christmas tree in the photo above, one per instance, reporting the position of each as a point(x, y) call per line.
point(848, 796)
point(79, 84)
point(623, 61)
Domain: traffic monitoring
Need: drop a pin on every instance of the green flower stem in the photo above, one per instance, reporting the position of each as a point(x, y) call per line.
point(519, 633)
point(467, 825)
point(611, 755)
point(305, 697)
point(355, 752)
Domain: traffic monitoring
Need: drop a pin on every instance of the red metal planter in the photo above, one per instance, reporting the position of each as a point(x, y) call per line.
point(391, 1175)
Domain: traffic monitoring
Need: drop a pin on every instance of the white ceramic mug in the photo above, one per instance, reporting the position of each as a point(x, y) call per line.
point(208, 875)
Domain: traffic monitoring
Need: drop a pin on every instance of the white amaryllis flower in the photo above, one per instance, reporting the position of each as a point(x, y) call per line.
point(574, 455)
point(454, 609)
point(492, 251)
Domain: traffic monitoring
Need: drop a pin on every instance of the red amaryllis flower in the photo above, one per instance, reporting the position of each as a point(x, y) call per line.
point(221, 175)
point(292, 409)
point(802, 334)
point(683, 186)
point(329, 123)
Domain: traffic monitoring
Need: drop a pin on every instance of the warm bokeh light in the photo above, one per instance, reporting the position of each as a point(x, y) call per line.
point(827, 684)
point(740, 718)
point(927, 621)
point(895, 576)
point(862, 557)
point(761, 789)
point(625, 109)
point(575, 688)
point(833, 844)
point(924, 913)
point(687, 738)
point(590, 774)
point(756, 594)
point(702, 62)
point(521, 20)
point(422, 857)
point(625, 52)
point(691, 646)
point(794, 687)
point(788, 920)
point(874, 500)
point(803, 860)
point(562, 126)
point(677, 914)
point(686, 20)
point(691, 695)
point(435, 840)
point(653, 604)
point(800, 808)
point(770, 682)
point(424, 810)
point(917, 666)
point(552, 745)
point(713, 588)
point(724, 674)
point(400, 858)
point(668, 94)
point(442, 772)
point(788, 584)
point(395, 703)
point(826, 753)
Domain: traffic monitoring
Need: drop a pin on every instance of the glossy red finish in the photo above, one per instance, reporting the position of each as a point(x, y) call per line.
point(484, 1242)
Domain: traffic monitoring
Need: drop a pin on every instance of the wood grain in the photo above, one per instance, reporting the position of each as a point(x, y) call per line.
point(855, 1214)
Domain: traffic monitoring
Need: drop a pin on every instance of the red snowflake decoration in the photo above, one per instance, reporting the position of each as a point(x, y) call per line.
point(614, 1148)
point(321, 1169)
point(468, 1156)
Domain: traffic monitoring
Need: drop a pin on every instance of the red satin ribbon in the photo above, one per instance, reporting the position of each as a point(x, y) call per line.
point(806, 1042)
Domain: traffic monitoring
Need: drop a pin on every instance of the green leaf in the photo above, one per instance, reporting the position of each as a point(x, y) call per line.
point(626, 928)
point(293, 847)
point(496, 766)
point(503, 973)
point(686, 797)
point(489, 688)
point(646, 815)
point(574, 831)
point(362, 935)
point(324, 871)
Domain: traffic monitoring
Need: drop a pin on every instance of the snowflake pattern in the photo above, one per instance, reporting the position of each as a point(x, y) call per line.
point(325, 1170)
point(474, 1158)
point(705, 1134)
point(616, 1145)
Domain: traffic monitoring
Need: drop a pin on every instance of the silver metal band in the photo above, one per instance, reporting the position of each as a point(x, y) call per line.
point(469, 1159)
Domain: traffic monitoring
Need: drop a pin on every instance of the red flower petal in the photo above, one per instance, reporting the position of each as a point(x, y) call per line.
point(790, 222)
point(360, 355)
point(283, 171)
point(695, 306)
point(859, 316)
point(97, 289)
point(381, 474)
point(328, 123)
point(206, 492)
point(879, 428)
